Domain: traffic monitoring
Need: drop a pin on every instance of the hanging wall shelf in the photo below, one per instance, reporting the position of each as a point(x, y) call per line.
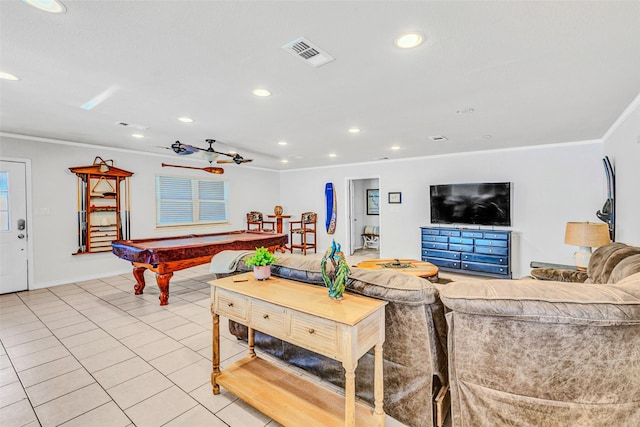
point(103, 205)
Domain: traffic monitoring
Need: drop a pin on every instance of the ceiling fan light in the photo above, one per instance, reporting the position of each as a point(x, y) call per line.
point(51, 6)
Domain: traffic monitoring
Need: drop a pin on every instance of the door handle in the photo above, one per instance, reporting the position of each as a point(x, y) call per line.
point(20, 236)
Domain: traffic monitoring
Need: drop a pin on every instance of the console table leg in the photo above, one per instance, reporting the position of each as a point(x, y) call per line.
point(251, 342)
point(350, 394)
point(138, 274)
point(378, 385)
point(215, 357)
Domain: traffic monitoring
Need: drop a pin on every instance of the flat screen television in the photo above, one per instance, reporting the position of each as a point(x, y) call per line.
point(478, 204)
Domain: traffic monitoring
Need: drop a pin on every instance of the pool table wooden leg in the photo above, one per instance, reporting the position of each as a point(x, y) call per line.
point(138, 273)
point(163, 285)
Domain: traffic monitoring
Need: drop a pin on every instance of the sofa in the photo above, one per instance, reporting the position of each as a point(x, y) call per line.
point(608, 264)
point(545, 353)
point(415, 359)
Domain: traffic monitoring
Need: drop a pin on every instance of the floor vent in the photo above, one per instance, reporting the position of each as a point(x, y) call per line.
point(308, 52)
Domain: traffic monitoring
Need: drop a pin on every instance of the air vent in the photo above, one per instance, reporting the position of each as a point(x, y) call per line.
point(438, 138)
point(131, 125)
point(308, 52)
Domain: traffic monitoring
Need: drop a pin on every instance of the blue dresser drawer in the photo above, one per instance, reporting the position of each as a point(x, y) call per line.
point(496, 235)
point(461, 248)
point(489, 259)
point(430, 231)
point(498, 243)
point(440, 254)
point(434, 245)
point(491, 250)
point(441, 239)
point(461, 240)
point(443, 262)
point(477, 234)
point(486, 268)
point(454, 233)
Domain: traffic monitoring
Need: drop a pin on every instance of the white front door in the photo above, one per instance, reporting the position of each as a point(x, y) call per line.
point(13, 227)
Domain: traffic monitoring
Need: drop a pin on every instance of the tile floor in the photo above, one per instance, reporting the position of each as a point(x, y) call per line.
point(94, 354)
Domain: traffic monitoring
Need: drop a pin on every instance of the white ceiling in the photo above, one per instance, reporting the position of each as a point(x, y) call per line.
point(534, 73)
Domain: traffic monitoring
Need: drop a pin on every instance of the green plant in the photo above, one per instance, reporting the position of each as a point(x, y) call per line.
point(262, 257)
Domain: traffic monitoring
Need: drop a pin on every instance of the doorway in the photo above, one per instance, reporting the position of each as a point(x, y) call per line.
point(363, 211)
point(14, 272)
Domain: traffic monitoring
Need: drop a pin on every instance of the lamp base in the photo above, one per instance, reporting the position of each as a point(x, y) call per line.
point(582, 257)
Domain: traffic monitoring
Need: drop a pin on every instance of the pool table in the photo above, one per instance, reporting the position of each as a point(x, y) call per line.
point(168, 254)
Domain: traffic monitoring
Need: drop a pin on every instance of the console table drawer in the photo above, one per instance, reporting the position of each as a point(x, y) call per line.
point(314, 333)
point(267, 318)
point(231, 305)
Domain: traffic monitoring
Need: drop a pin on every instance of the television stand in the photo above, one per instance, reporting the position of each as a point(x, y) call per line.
point(469, 251)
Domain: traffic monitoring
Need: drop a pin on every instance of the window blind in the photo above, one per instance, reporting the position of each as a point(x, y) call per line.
point(189, 201)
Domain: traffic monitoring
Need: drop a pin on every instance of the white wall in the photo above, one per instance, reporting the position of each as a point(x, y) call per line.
point(54, 235)
point(551, 185)
point(622, 145)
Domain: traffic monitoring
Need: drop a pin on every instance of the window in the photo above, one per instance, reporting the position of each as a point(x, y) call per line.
point(190, 201)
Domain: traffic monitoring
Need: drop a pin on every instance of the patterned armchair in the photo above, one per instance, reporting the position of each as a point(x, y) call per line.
point(305, 228)
point(255, 221)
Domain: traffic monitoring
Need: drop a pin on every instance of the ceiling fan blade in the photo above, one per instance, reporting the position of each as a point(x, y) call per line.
point(235, 161)
point(210, 169)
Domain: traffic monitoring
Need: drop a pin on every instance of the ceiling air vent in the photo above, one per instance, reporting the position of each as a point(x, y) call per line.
point(132, 125)
point(438, 138)
point(308, 52)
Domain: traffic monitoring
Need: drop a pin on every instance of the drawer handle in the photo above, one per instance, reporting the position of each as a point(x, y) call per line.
point(312, 331)
point(230, 304)
point(265, 316)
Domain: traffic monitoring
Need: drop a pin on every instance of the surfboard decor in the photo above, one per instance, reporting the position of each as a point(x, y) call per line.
point(330, 197)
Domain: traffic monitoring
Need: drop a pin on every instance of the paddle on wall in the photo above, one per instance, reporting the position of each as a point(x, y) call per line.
point(330, 198)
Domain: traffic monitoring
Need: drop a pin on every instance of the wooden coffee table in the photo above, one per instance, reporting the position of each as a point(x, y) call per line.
point(404, 265)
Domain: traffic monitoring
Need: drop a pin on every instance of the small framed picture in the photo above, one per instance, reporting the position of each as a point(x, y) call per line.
point(395, 197)
point(373, 207)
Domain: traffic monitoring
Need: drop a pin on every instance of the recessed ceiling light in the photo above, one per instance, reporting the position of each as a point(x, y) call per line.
point(485, 137)
point(282, 142)
point(395, 147)
point(261, 92)
point(409, 40)
point(137, 135)
point(7, 76)
point(465, 111)
point(354, 130)
point(51, 6)
point(185, 119)
point(284, 161)
point(333, 155)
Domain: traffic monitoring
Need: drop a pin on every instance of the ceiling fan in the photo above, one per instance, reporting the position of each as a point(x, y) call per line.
point(208, 153)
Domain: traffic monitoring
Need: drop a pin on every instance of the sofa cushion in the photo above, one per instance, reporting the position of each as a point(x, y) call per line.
point(551, 302)
point(559, 275)
point(605, 259)
point(300, 268)
point(391, 286)
point(628, 266)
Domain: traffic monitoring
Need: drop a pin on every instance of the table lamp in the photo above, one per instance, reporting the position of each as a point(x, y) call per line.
point(587, 235)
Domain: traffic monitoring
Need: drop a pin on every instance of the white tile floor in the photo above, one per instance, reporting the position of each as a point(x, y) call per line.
point(94, 354)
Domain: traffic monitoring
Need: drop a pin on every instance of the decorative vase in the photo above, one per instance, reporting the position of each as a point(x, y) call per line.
point(262, 272)
point(336, 281)
point(278, 210)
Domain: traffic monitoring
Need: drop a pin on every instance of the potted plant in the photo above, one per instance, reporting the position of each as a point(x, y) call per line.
point(261, 262)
